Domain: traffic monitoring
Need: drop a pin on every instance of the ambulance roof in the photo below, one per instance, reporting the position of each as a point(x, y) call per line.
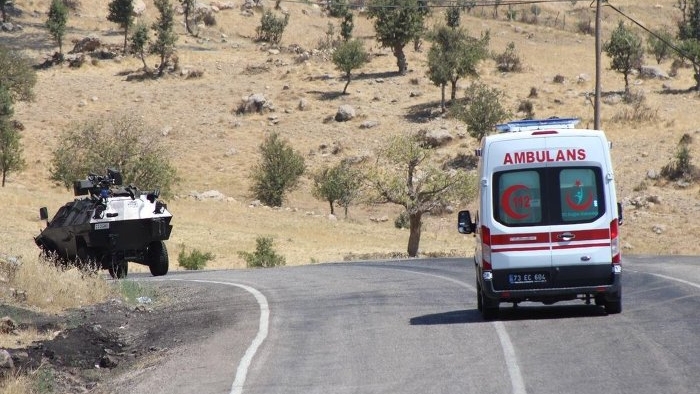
point(538, 124)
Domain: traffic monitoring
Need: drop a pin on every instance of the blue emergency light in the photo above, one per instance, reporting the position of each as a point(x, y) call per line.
point(538, 124)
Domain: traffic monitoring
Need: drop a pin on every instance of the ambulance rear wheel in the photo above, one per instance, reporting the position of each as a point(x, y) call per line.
point(489, 308)
point(613, 305)
point(479, 301)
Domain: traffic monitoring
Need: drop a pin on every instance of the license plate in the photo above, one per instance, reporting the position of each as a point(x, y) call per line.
point(530, 277)
point(102, 226)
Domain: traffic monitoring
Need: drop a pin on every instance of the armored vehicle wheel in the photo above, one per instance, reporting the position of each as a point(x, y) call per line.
point(119, 270)
point(157, 258)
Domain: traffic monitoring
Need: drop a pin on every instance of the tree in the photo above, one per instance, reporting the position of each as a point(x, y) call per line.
point(121, 142)
point(404, 175)
point(349, 56)
point(626, 52)
point(452, 56)
point(338, 8)
point(17, 75)
point(10, 149)
point(278, 171)
point(56, 23)
point(164, 45)
point(658, 44)
point(340, 183)
point(121, 12)
point(188, 10)
point(452, 16)
point(3, 11)
point(689, 36)
point(483, 111)
point(398, 22)
point(346, 26)
point(138, 42)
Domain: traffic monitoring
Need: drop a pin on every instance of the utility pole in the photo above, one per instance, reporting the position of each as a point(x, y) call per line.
point(596, 100)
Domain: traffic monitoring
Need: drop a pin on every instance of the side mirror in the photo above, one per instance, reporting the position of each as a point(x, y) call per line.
point(620, 219)
point(464, 223)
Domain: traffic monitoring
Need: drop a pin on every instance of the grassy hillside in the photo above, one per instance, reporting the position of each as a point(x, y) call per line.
point(213, 148)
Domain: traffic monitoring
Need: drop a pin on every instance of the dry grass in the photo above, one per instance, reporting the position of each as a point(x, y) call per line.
point(20, 384)
point(24, 337)
point(214, 148)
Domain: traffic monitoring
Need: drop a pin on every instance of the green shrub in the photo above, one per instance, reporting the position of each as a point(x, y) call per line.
point(271, 27)
point(277, 172)
point(264, 256)
point(509, 60)
point(195, 260)
point(402, 220)
point(681, 167)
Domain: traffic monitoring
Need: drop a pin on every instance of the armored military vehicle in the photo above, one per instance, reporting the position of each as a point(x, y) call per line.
point(110, 227)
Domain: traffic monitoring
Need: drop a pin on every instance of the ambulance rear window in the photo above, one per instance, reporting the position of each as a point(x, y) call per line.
point(548, 196)
point(519, 198)
point(579, 195)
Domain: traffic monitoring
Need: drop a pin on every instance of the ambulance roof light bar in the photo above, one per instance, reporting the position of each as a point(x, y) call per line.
point(537, 124)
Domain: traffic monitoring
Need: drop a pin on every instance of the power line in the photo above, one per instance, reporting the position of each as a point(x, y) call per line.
point(448, 4)
point(662, 39)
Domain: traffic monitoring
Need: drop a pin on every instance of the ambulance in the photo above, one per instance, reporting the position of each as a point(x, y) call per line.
point(547, 222)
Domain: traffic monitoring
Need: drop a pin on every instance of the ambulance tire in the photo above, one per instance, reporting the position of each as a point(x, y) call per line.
point(613, 305)
point(479, 302)
point(489, 308)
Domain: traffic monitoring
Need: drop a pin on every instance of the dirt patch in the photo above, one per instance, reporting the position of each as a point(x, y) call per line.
point(95, 344)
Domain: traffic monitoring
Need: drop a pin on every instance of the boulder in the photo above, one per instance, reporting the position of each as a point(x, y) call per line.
point(345, 113)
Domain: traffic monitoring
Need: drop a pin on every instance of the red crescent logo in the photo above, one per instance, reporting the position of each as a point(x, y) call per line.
point(580, 207)
point(506, 202)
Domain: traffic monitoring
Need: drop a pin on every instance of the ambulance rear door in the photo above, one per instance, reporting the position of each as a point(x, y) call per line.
point(518, 224)
point(582, 211)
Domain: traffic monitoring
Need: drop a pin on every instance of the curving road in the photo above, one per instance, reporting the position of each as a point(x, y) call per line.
point(412, 326)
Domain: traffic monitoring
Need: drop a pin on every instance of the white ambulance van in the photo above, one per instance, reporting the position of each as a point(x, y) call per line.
point(547, 219)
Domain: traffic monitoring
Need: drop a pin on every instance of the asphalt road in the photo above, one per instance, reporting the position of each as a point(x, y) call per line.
point(411, 326)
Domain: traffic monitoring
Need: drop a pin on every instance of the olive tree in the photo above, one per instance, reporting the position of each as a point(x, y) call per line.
point(483, 110)
point(659, 44)
point(403, 174)
point(454, 55)
point(349, 56)
point(17, 80)
point(139, 40)
point(3, 11)
point(164, 44)
point(689, 36)
point(124, 143)
point(396, 23)
point(17, 75)
point(56, 22)
point(625, 51)
point(121, 12)
point(10, 149)
point(338, 184)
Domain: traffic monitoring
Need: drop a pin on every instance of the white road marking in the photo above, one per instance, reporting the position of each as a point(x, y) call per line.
point(263, 327)
point(516, 378)
point(672, 278)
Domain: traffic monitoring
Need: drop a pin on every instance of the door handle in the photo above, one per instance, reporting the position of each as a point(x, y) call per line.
point(567, 236)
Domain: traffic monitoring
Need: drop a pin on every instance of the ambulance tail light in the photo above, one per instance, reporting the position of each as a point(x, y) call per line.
point(486, 248)
point(615, 243)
